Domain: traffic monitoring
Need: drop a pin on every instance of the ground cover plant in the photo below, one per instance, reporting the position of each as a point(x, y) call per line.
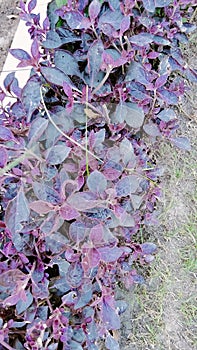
point(77, 178)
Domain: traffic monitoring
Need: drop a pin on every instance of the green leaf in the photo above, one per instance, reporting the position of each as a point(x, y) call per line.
point(60, 3)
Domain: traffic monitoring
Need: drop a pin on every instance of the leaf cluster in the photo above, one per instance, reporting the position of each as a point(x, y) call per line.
point(77, 178)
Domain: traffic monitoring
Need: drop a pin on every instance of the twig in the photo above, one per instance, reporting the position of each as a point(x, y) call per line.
point(86, 134)
point(63, 133)
point(103, 80)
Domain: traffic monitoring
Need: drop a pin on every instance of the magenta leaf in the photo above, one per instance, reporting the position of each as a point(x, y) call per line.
point(31, 5)
point(3, 156)
point(68, 213)
point(17, 212)
point(94, 9)
point(41, 207)
point(35, 49)
point(161, 80)
point(97, 182)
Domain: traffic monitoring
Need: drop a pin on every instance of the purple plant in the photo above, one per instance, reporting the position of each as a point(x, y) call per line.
point(77, 181)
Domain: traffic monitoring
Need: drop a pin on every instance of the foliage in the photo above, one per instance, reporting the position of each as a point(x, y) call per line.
point(77, 180)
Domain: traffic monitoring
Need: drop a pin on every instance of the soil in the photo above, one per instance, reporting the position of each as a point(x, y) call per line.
point(8, 25)
point(160, 314)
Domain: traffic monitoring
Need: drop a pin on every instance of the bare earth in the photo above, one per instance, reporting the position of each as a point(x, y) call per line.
point(161, 314)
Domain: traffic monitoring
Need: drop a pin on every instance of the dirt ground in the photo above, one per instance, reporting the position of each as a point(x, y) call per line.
point(8, 25)
point(161, 314)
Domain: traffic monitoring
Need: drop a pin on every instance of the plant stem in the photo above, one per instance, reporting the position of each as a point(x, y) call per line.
point(103, 80)
point(86, 134)
point(7, 346)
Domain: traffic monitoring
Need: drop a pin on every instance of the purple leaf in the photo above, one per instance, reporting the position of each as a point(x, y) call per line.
point(141, 39)
point(95, 59)
point(75, 275)
point(112, 170)
point(166, 115)
point(93, 257)
point(55, 76)
point(97, 182)
point(97, 235)
point(148, 248)
point(114, 18)
point(76, 20)
point(182, 143)
point(111, 343)
point(5, 134)
point(3, 156)
point(132, 114)
point(35, 49)
point(151, 129)
point(53, 40)
point(83, 200)
point(69, 299)
point(110, 254)
point(168, 96)
point(94, 9)
point(11, 277)
point(110, 317)
point(57, 154)
point(21, 306)
point(46, 193)
point(68, 213)
point(161, 80)
point(31, 5)
point(149, 5)
point(17, 212)
point(77, 231)
point(162, 3)
point(37, 128)
point(125, 24)
point(20, 54)
point(30, 96)
point(41, 207)
point(127, 185)
point(66, 62)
